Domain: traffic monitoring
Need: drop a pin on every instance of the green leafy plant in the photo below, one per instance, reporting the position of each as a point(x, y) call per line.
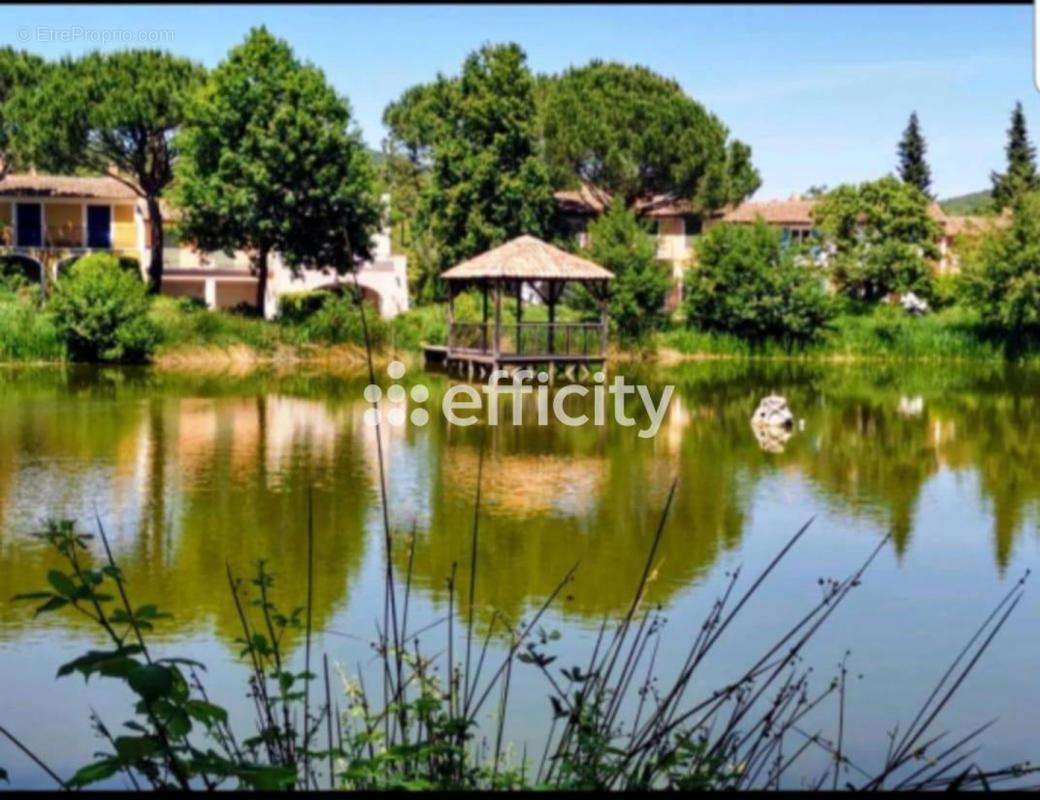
point(880, 237)
point(101, 311)
point(746, 282)
point(295, 307)
point(620, 243)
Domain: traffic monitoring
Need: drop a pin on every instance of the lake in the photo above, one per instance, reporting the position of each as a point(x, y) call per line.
point(190, 472)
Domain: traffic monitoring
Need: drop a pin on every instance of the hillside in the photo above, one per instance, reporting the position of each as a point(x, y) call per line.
point(967, 204)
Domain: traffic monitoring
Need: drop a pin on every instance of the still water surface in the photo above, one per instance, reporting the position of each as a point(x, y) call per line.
point(188, 472)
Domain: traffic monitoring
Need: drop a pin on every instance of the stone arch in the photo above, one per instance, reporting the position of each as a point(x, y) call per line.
point(30, 268)
point(368, 294)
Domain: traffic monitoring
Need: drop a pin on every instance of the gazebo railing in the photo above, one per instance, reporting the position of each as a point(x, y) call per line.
point(477, 337)
point(531, 339)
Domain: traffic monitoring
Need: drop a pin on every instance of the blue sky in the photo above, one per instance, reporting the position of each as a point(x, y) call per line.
point(821, 93)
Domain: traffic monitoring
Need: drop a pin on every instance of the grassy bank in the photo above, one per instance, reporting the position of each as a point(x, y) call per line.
point(189, 334)
point(952, 333)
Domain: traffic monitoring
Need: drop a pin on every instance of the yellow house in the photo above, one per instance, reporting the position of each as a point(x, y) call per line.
point(47, 220)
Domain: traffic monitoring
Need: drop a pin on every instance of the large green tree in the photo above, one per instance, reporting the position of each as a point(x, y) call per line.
point(881, 238)
point(619, 241)
point(273, 162)
point(913, 168)
point(114, 113)
point(487, 183)
point(18, 70)
point(1020, 176)
point(1002, 276)
point(635, 133)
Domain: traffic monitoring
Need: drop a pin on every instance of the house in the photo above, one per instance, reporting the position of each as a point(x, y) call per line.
point(794, 218)
point(48, 221)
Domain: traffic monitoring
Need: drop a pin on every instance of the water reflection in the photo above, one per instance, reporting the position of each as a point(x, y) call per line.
point(189, 472)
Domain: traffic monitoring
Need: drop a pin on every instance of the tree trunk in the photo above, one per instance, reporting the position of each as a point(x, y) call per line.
point(155, 227)
point(261, 282)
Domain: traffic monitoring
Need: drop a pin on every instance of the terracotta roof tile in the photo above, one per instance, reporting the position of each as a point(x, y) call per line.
point(591, 200)
point(775, 212)
point(527, 258)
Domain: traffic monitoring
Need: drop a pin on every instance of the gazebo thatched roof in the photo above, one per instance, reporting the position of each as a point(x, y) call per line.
point(530, 259)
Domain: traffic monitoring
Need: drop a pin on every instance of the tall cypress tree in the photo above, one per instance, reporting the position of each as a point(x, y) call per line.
point(913, 169)
point(1021, 173)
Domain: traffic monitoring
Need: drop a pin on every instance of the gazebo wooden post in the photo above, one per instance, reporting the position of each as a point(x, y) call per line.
point(498, 320)
point(451, 315)
point(552, 286)
point(484, 327)
point(519, 316)
point(604, 321)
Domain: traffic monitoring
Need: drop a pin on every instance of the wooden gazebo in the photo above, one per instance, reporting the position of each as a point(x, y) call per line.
point(478, 347)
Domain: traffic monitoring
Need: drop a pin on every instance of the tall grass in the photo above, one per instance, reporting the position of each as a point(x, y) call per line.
point(881, 333)
point(27, 333)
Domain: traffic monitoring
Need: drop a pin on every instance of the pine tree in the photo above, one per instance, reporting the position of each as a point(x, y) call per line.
point(913, 169)
point(1021, 173)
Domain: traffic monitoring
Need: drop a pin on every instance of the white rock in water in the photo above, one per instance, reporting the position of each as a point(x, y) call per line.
point(772, 412)
point(770, 438)
point(913, 304)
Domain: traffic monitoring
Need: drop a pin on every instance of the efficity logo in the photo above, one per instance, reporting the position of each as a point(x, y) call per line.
point(463, 404)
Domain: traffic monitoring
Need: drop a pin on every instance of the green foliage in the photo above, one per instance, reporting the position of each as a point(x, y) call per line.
point(746, 282)
point(968, 204)
point(338, 321)
point(486, 182)
point(913, 168)
point(635, 133)
point(881, 238)
point(619, 242)
point(1002, 279)
point(106, 110)
point(422, 324)
point(879, 332)
point(1021, 176)
point(185, 322)
point(295, 307)
point(272, 161)
point(17, 272)
point(18, 70)
point(162, 746)
point(27, 332)
point(101, 311)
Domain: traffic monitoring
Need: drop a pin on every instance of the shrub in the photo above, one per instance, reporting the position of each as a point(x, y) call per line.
point(881, 238)
point(1002, 279)
point(747, 283)
point(618, 242)
point(295, 307)
point(101, 311)
point(338, 321)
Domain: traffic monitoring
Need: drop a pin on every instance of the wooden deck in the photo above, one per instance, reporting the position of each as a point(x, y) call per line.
point(474, 349)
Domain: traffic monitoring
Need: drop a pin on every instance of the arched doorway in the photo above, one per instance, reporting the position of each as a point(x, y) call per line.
point(15, 265)
point(368, 295)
